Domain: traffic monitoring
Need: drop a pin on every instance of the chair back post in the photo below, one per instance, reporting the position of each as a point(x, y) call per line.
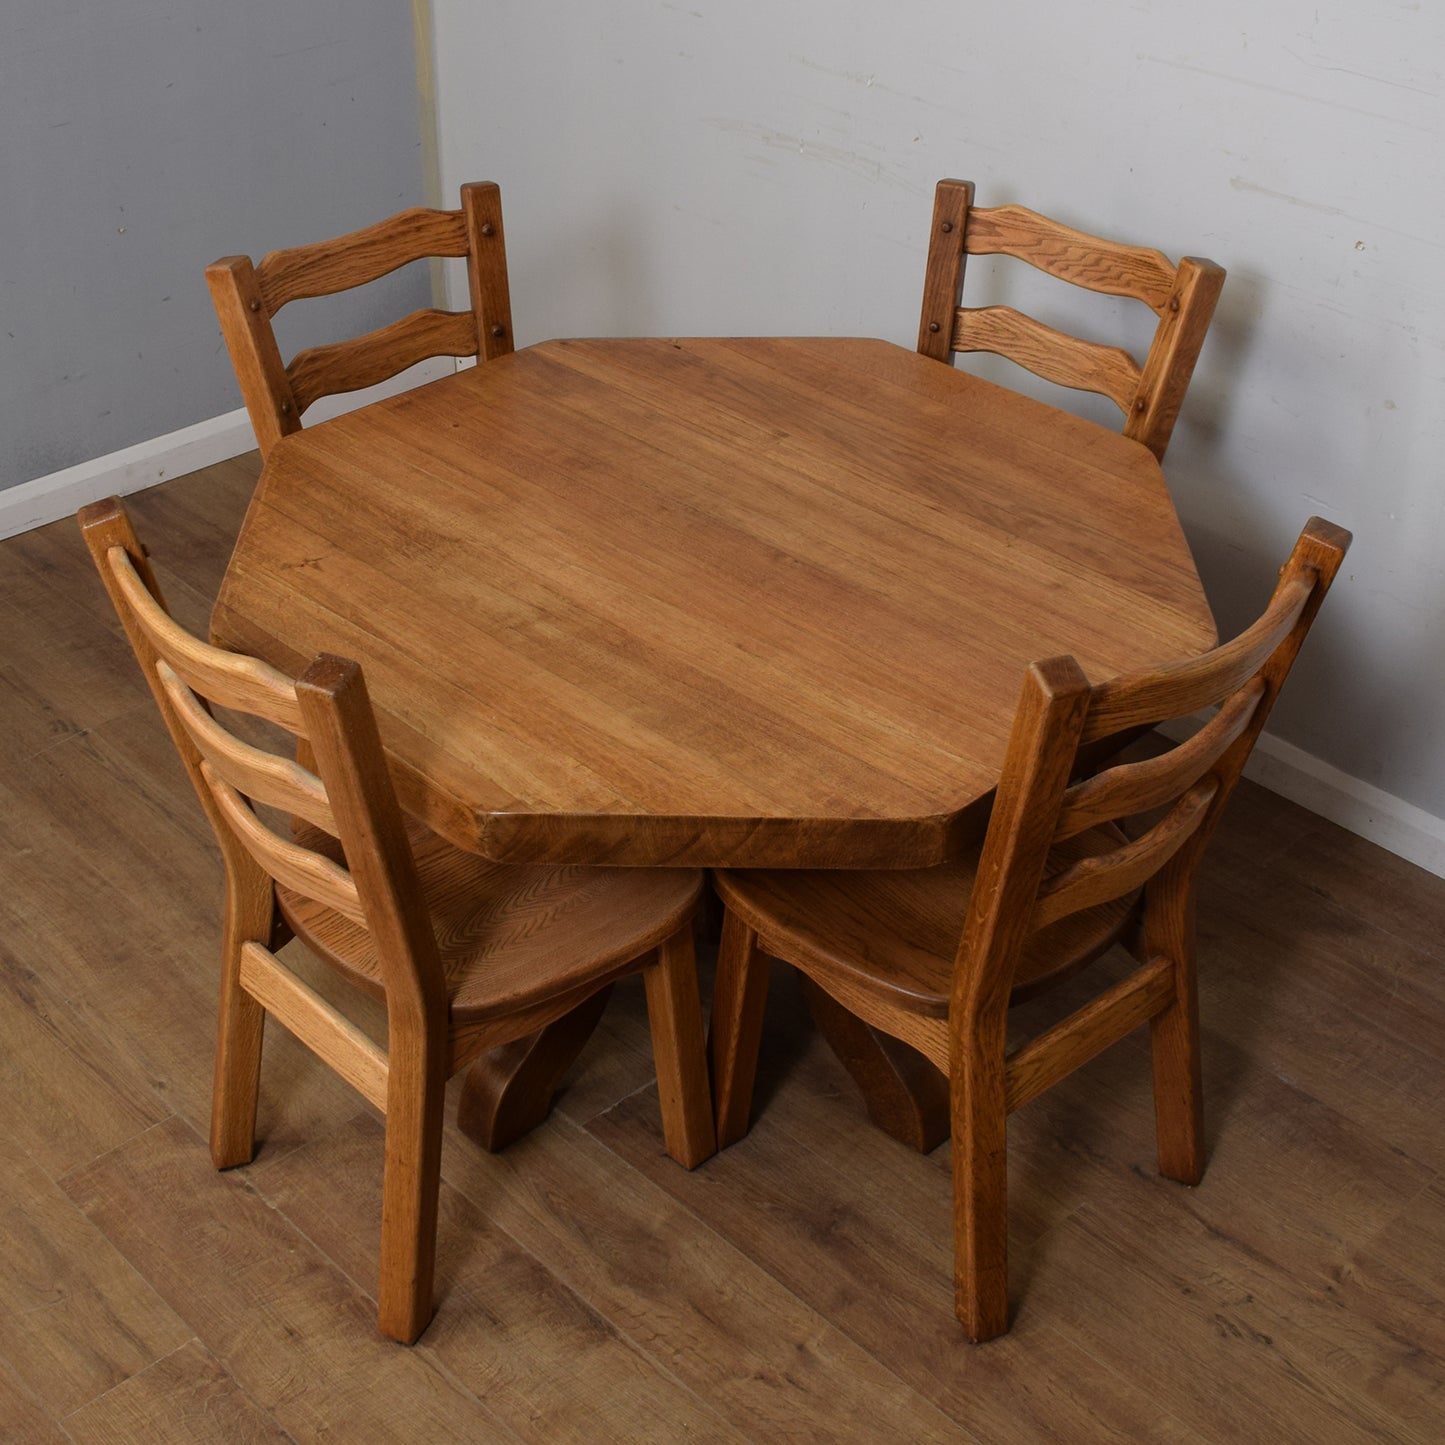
point(1315, 560)
point(1183, 325)
point(1317, 556)
point(106, 527)
point(487, 268)
point(1037, 767)
point(103, 525)
point(1036, 770)
point(1215, 678)
point(246, 328)
point(943, 280)
point(351, 762)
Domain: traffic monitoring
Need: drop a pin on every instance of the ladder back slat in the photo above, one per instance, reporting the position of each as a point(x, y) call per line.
point(1129, 789)
point(1054, 355)
point(227, 679)
point(1180, 688)
point(365, 360)
point(299, 868)
point(259, 775)
point(1106, 876)
point(1110, 267)
point(325, 267)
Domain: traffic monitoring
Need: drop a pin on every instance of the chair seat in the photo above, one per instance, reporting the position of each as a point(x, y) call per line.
point(509, 935)
point(893, 935)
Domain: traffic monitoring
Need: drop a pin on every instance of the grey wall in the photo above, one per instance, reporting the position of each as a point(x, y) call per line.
point(140, 140)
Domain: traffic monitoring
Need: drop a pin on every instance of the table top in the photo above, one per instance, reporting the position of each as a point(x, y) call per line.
point(755, 602)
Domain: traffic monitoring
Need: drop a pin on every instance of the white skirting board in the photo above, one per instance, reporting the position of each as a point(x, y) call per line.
point(61, 494)
point(1281, 767)
point(1394, 824)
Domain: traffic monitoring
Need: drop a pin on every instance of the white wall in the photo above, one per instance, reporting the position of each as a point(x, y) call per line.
point(767, 166)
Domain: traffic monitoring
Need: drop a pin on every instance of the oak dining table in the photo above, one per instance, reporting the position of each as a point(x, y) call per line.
point(761, 602)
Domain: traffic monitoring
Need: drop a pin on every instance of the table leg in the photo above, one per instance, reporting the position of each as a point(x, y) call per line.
point(508, 1091)
point(905, 1095)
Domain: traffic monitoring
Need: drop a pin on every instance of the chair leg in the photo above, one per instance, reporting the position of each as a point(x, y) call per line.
point(674, 1014)
point(980, 1192)
point(240, 1024)
point(415, 1095)
point(1174, 1033)
point(1178, 1085)
point(739, 998)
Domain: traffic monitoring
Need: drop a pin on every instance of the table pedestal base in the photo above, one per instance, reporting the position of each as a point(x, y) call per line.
point(508, 1091)
point(904, 1094)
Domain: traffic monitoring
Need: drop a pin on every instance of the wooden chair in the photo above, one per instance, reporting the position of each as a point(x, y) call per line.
point(246, 298)
point(465, 954)
point(934, 957)
point(1182, 297)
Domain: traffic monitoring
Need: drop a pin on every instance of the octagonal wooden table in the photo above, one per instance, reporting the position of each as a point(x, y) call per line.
point(734, 602)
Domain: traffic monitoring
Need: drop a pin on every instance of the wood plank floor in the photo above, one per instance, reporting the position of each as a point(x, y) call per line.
point(796, 1287)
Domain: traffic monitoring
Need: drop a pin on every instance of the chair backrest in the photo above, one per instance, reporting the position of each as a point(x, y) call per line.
point(349, 797)
point(1027, 880)
point(247, 297)
point(1182, 297)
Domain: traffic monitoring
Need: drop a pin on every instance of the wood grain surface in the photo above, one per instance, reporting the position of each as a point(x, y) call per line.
point(595, 1290)
point(755, 602)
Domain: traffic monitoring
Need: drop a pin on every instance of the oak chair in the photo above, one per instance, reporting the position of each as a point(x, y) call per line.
point(934, 957)
point(248, 296)
point(1182, 297)
point(465, 954)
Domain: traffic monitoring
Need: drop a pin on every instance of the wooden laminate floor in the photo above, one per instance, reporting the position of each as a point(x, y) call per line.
point(796, 1287)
